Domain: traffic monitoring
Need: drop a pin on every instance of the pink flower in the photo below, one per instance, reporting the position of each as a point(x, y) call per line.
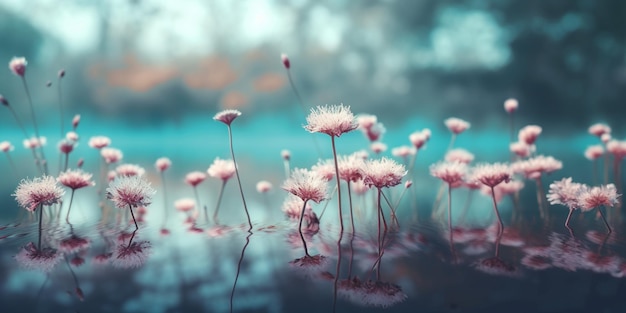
point(378, 147)
point(263, 186)
point(227, 116)
point(32, 258)
point(565, 192)
point(195, 178)
point(403, 151)
point(39, 191)
point(77, 261)
point(6, 146)
point(325, 168)
point(459, 155)
point(605, 138)
point(129, 170)
point(111, 155)
point(534, 167)
point(617, 149)
point(350, 167)
point(510, 105)
point(599, 129)
point(111, 175)
point(491, 175)
point(162, 164)
point(71, 136)
point(594, 152)
point(456, 125)
point(75, 121)
point(292, 207)
point(382, 172)
point(34, 142)
point(375, 132)
point(75, 179)
point(18, 66)
point(133, 191)
point(99, 142)
point(66, 146)
point(359, 187)
point(333, 120)
point(285, 154)
point(450, 172)
point(285, 59)
point(521, 149)
point(307, 185)
point(222, 169)
point(132, 256)
point(503, 189)
point(185, 204)
point(528, 134)
point(590, 198)
point(419, 138)
point(366, 121)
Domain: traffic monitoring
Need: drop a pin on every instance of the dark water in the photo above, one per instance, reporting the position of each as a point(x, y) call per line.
point(96, 266)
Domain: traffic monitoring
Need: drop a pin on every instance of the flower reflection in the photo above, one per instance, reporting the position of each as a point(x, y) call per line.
point(131, 255)
point(44, 259)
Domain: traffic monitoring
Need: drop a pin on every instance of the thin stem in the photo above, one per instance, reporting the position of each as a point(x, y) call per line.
point(32, 113)
point(306, 250)
point(594, 170)
point(351, 212)
point(67, 262)
point(327, 201)
point(69, 208)
point(195, 192)
point(451, 233)
point(11, 163)
point(337, 268)
point(130, 242)
point(165, 210)
point(380, 209)
point(332, 140)
point(301, 103)
point(243, 251)
point(67, 159)
point(19, 122)
point(40, 221)
point(569, 215)
point(452, 140)
point(540, 198)
point(393, 211)
point(61, 107)
point(217, 206)
point(606, 167)
point(468, 201)
point(287, 169)
point(133, 215)
point(232, 153)
point(609, 230)
point(495, 209)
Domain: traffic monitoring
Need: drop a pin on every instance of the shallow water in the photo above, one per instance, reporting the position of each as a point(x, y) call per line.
point(540, 267)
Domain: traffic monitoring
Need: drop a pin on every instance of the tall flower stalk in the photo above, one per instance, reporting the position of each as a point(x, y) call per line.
point(227, 117)
point(334, 121)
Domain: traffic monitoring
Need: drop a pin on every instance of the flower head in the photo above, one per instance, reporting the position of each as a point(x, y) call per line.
point(285, 154)
point(129, 170)
point(74, 244)
point(456, 125)
point(325, 168)
point(403, 151)
point(381, 294)
point(604, 195)
point(594, 152)
point(34, 142)
point(75, 121)
point(39, 191)
point(599, 129)
point(382, 172)
point(450, 172)
point(419, 138)
point(99, 142)
point(195, 178)
point(510, 105)
point(227, 116)
point(18, 66)
point(459, 155)
point(565, 192)
point(333, 120)
point(111, 155)
point(491, 174)
point(222, 169)
point(133, 191)
point(185, 204)
point(285, 59)
point(617, 149)
point(75, 179)
point(263, 186)
point(521, 149)
point(6, 146)
point(307, 185)
point(350, 167)
point(533, 168)
point(528, 134)
point(162, 164)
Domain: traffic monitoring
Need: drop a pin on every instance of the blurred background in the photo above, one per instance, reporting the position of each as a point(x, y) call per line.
point(151, 74)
